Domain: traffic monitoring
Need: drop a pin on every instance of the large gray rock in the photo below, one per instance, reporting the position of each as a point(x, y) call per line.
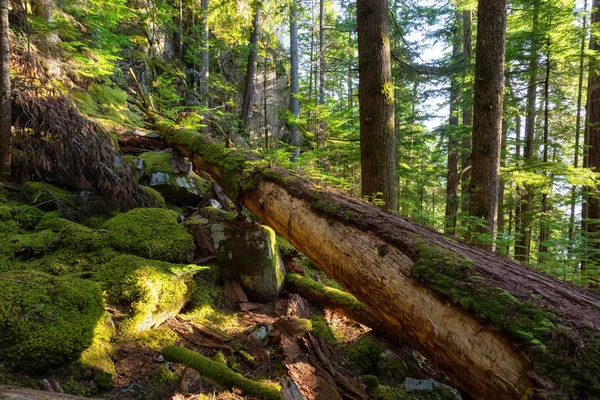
point(248, 253)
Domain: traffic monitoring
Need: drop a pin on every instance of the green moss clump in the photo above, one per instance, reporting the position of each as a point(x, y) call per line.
point(157, 338)
point(156, 199)
point(74, 236)
point(46, 320)
point(6, 212)
point(219, 373)
point(47, 196)
point(151, 233)
point(321, 328)
point(364, 353)
point(30, 244)
point(148, 291)
point(85, 103)
point(108, 95)
point(27, 217)
point(319, 203)
point(156, 162)
point(207, 304)
point(372, 384)
point(98, 357)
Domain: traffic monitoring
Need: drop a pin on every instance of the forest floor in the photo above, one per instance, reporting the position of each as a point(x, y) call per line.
point(325, 354)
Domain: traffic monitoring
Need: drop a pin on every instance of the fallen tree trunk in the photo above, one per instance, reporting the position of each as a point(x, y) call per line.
point(498, 329)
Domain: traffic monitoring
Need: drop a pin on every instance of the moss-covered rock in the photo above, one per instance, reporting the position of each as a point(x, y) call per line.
point(73, 235)
point(149, 292)
point(98, 357)
point(248, 254)
point(152, 233)
point(46, 320)
point(26, 217)
point(29, 245)
point(156, 162)
point(48, 197)
point(156, 199)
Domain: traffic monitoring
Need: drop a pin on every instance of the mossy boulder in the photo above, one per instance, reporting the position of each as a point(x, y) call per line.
point(73, 235)
point(156, 199)
point(47, 196)
point(147, 291)
point(248, 253)
point(162, 173)
point(25, 246)
point(151, 233)
point(46, 320)
point(98, 357)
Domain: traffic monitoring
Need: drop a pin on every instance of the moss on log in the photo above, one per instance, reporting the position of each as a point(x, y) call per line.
point(220, 373)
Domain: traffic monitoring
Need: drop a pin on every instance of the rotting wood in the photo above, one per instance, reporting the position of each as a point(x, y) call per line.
point(374, 255)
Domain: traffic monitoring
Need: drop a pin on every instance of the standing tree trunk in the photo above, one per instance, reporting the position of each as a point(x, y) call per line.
point(487, 117)
point(294, 69)
point(452, 182)
point(544, 234)
point(523, 244)
point(246, 110)
point(578, 126)
point(593, 134)
point(321, 141)
point(265, 88)
point(465, 160)
point(376, 101)
point(205, 54)
point(5, 108)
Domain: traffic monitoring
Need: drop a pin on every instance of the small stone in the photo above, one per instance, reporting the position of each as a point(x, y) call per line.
point(260, 334)
point(441, 390)
point(46, 386)
point(159, 178)
point(215, 204)
point(417, 385)
point(159, 359)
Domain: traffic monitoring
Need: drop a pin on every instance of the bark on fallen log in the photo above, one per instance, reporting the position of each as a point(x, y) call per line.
point(497, 328)
point(132, 144)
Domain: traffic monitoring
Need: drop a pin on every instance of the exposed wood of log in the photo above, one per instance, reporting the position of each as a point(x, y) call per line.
point(495, 327)
point(130, 144)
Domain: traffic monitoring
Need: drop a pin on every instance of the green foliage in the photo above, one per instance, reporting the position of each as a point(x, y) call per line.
point(220, 374)
point(45, 320)
point(152, 233)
